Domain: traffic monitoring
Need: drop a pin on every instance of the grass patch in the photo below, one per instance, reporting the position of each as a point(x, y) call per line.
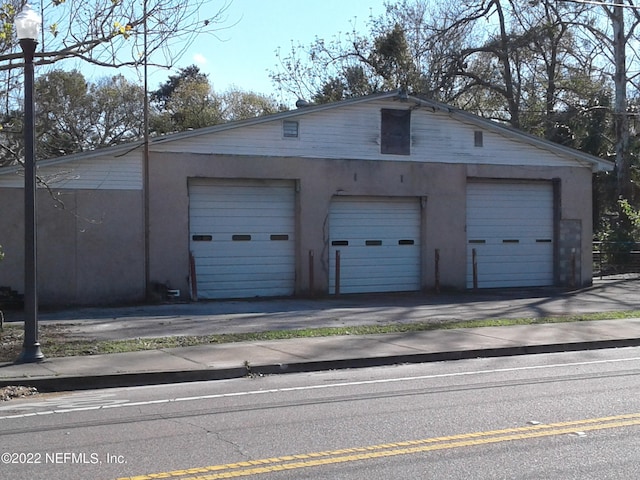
point(57, 343)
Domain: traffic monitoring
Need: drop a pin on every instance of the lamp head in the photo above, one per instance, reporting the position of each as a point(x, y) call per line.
point(28, 23)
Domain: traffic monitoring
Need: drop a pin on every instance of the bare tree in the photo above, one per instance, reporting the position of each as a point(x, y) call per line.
point(112, 32)
point(104, 33)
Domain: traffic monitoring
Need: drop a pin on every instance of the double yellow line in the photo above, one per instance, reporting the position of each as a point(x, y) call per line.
point(292, 462)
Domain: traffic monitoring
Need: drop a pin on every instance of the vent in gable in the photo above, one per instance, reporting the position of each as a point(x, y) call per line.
point(290, 129)
point(478, 139)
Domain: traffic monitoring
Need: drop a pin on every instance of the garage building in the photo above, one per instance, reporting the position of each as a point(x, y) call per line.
point(382, 193)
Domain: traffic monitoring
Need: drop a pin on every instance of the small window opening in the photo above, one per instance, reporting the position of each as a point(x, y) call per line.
point(373, 243)
point(241, 238)
point(202, 238)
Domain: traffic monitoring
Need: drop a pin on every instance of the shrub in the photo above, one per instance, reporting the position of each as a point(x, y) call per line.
point(619, 233)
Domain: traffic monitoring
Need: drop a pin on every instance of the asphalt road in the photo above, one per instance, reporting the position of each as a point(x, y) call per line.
point(570, 415)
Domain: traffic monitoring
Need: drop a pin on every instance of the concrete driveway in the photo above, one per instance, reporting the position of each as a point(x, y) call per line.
point(204, 318)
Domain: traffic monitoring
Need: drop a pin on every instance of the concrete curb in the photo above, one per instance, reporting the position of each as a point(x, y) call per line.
point(66, 383)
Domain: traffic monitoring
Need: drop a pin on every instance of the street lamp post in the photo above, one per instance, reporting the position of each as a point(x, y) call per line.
point(28, 24)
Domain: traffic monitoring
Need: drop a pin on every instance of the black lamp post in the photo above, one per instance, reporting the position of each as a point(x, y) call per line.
point(27, 24)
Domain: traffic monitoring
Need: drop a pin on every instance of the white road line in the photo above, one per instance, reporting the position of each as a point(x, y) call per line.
point(313, 387)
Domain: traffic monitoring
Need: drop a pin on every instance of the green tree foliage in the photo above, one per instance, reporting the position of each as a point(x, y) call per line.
point(165, 92)
point(191, 105)
point(239, 105)
point(187, 101)
point(73, 115)
point(62, 113)
point(117, 113)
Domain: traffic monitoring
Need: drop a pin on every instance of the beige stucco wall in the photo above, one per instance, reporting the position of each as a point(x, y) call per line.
point(441, 186)
point(90, 246)
point(91, 250)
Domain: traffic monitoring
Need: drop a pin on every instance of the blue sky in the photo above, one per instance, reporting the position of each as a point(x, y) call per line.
point(256, 28)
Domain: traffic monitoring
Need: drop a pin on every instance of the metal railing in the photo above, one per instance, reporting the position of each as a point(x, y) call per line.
point(614, 258)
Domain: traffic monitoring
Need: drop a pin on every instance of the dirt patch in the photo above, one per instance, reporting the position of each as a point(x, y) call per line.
point(8, 393)
point(11, 339)
point(10, 343)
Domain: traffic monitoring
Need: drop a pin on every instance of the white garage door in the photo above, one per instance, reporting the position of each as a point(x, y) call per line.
point(379, 243)
point(242, 237)
point(510, 226)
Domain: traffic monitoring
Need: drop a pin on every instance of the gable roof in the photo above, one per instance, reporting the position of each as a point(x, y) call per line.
point(596, 163)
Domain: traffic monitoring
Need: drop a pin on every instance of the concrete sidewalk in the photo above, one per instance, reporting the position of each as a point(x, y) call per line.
point(232, 360)
point(219, 361)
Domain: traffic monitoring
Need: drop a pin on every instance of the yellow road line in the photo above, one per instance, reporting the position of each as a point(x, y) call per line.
point(290, 462)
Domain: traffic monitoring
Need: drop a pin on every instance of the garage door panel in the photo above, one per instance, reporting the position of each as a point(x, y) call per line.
point(521, 219)
point(378, 239)
point(362, 267)
point(238, 275)
point(228, 289)
point(377, 287)
point(510, 226)
point(520, 268)
point(234, 221)
point(491, 264)
point(232, 211)
point(348, 258)
point(246, 231)
point(241, 264)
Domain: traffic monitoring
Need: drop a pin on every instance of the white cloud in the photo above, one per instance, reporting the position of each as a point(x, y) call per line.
point(199, 59)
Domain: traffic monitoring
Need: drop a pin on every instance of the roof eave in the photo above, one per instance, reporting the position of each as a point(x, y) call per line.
point(115, 151)
point(273, 117)
point(597, 164)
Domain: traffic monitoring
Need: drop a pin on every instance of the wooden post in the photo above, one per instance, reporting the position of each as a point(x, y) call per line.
point(474, 256)
point(311, 273)
point(437, 270)
point(573, 268)
point(192, 277)
point(337, 292)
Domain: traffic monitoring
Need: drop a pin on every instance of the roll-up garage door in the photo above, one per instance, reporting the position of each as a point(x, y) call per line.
point(379, 243)
point(242, 237)
point(510, 226)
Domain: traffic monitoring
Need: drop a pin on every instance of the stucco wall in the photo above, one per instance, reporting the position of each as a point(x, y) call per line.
point(91, 250)
point(90, 246)
point(441, 186)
